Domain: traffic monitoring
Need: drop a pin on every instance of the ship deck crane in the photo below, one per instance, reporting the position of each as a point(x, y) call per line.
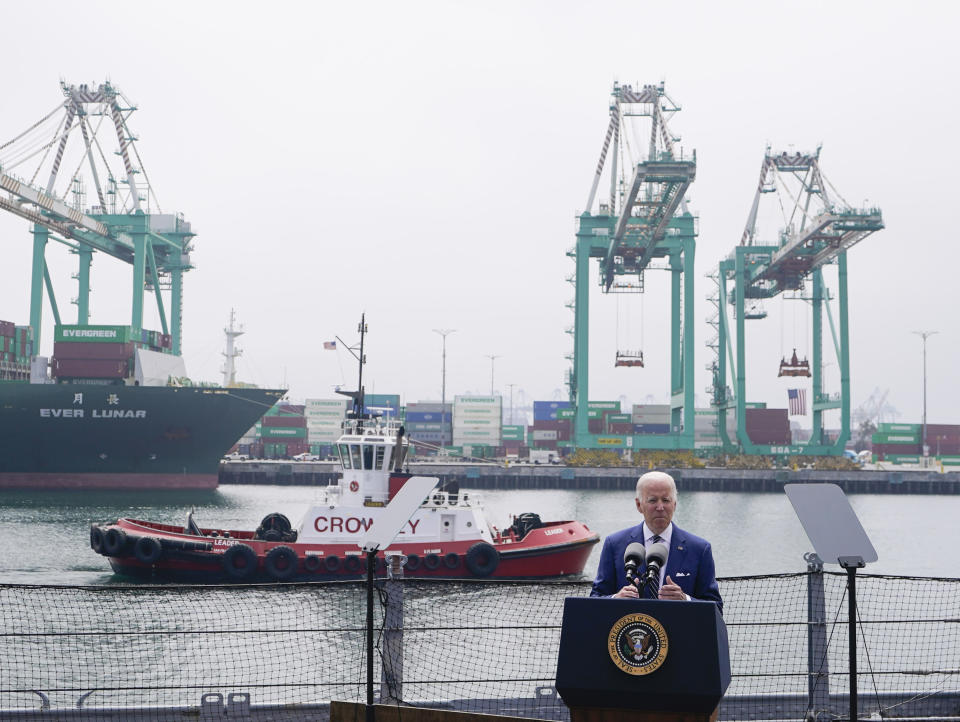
point(156, 245)
point(819, 230)
point(646, 218)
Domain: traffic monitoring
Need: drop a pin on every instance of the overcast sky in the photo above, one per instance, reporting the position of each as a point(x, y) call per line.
point(425, 162)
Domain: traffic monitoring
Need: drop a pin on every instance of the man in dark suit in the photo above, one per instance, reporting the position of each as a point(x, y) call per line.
point(689, 572)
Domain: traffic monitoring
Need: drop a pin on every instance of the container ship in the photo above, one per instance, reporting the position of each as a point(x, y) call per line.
point(109, 411)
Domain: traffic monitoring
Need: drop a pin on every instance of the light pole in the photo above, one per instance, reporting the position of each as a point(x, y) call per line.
point(923, 436)
point(511, 402)
point(444, 332)
point(492, 358)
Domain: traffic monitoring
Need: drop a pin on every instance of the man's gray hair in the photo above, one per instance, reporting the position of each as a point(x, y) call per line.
point(656, 476)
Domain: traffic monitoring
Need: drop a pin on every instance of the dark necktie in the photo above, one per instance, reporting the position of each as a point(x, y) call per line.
point(654, 585)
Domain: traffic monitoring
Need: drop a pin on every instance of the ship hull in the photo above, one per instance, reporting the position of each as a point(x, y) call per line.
point(85, 436)
point(118, 481)
point(556, 549)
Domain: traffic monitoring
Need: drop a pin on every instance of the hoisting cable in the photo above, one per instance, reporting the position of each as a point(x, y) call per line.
point(32, 146)
point(66, 133)
point(44, 119)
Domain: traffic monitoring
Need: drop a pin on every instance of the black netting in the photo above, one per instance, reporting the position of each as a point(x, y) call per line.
point(480, 646)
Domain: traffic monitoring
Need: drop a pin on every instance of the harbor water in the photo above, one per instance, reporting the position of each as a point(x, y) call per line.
point(46, 532)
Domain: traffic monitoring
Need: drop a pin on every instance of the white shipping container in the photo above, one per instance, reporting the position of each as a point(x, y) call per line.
point(494, 401)
point(323, 424)
point(324, 414)
point(544, 435)
point(474, 437)
point(480, 414)
point(326, 403)
point(322, 437)
point(651, 408)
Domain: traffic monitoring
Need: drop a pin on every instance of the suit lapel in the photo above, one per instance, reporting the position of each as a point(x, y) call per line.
point(678, 550)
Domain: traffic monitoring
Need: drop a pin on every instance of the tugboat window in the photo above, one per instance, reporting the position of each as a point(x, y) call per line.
point(379, 458)
point(355, 455)
point(344, 455)
point(368, 456)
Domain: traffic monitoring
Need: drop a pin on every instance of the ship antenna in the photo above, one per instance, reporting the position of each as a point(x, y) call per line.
point(359, 408)
point(362, 360)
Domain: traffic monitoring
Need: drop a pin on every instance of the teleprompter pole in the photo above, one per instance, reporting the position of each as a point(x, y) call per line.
point(851, 564)
point(371, 565)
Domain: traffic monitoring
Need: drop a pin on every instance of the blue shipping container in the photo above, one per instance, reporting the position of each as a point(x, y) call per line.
point(651, 428)
point(547, 410)
point(423, 417)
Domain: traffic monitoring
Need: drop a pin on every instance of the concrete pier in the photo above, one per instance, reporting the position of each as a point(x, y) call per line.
point(527, 476)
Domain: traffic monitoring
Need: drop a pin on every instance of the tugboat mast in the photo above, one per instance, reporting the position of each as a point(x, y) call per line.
point(359, 411)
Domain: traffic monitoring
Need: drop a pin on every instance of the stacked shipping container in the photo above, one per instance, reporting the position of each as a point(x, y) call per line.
point(324, 419)
point(903, 443)
point(283, 432)
point(16, 348)
point(477, 420)
point(552, 422)
point(651, 418)
point(102, 354)
point(768, 426)
point(429, 422)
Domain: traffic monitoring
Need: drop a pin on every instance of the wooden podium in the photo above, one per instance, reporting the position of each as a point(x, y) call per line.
point(643, 660)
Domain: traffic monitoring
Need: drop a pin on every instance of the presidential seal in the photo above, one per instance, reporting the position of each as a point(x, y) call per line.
point(637, 644)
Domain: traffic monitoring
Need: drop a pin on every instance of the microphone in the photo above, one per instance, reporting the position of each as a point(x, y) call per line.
point(633, 557)
point(656, 559)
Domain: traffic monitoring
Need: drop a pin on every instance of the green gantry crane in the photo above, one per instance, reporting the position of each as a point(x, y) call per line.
point(157, 245)
point(820, 228)
point(646, 219)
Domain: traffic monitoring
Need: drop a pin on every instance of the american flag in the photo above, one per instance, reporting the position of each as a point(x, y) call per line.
point(329, 345)
point(797, 401)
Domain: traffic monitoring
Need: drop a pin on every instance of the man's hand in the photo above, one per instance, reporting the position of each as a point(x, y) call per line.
point(670, 590)
point(627, 592)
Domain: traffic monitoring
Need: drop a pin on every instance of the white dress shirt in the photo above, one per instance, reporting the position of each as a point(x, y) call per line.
point(666, 536)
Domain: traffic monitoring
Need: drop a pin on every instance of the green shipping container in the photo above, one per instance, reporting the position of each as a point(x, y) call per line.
point(896, 438)
point(272, 451)
point(901, 459)
point(891, 428)
point(92, 334)
point(613, 406)
point(619, 418)
point(512, 432)
point(282, 432)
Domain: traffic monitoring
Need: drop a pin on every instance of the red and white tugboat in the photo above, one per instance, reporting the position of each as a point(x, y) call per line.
point(447, 537)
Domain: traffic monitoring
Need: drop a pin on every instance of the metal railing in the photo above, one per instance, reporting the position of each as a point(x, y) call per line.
point(282, 652)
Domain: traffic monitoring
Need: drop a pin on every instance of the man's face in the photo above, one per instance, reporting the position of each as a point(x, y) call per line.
point(657, 505)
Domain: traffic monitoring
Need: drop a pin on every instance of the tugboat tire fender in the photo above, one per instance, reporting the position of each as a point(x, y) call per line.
point(312, 562)
point(353, 563)
point(147, 550)
point(240, 562)
point(114, 540)
point(431, 561)
point(96, 538)
point(281, 563)
point(413, 562)
point(482, 559)
point(332, 563)
point(451, 560)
